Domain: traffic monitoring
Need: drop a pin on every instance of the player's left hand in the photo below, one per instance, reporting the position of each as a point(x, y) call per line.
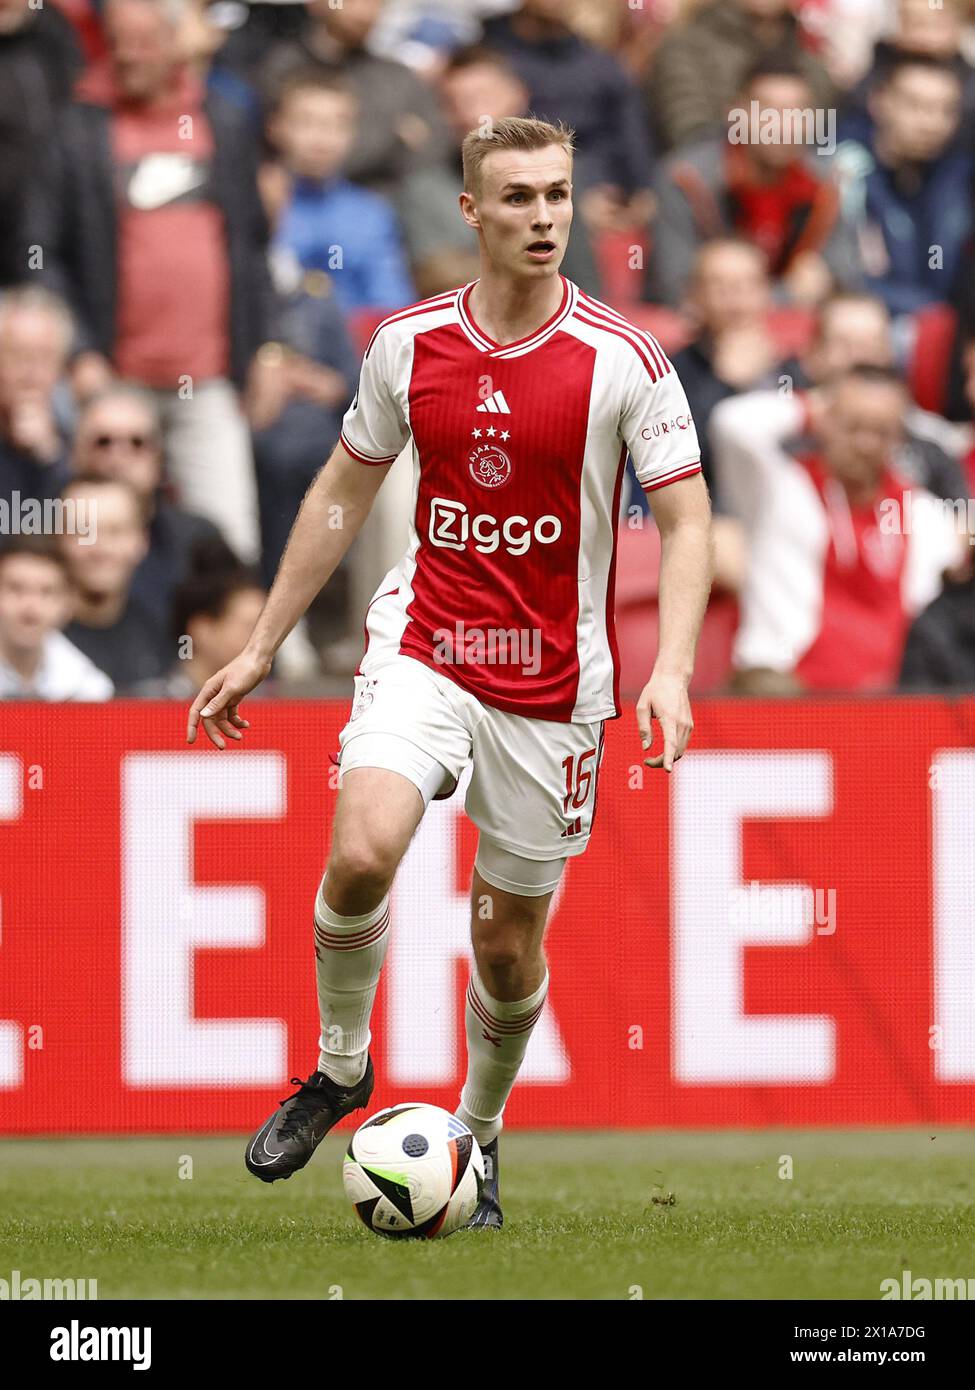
point(665, 699)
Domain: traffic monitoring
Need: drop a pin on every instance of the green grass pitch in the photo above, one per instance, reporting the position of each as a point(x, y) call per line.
point(587, 1216)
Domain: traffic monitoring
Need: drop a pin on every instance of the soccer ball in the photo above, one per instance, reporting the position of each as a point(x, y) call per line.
point(413, 1170)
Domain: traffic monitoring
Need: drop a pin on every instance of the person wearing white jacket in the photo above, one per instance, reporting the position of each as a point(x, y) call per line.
point(843, 551)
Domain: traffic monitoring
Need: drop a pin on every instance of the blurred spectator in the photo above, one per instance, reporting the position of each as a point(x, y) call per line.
point(925, 30)
point(213, 616)
point(572, 81)
point(35, 337)
point(39, 59)
point(906, 194)
point(252, 27)
point(325, 222)
point(701, 66)
point(110, 626)
point(424, 33)
point(296, 430)
point(119, 436)
point(843, 34)
point(203, 35)
point(37, 662)
point(732, 350)
point(940, 652)
point(843, 552)
point(152, 228)
point(854, 329)
point(476, 84)
point(768, 191)
point(968, 371)
point(403, 130)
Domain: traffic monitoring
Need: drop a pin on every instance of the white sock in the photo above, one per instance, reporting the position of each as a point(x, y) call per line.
point(497, 1036)
point(349, 955)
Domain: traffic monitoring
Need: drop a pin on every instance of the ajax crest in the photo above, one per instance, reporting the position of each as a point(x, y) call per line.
point(489, 466)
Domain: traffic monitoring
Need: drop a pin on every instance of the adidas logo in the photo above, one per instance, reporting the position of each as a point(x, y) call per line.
point(495, 405)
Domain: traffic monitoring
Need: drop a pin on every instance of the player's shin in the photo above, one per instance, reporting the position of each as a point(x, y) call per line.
point(349, 954)
point(497, 1038)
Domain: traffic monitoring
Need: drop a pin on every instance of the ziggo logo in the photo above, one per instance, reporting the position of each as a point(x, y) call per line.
point(451, 526)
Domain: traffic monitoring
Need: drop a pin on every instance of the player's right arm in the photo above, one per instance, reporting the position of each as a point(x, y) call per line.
point(335, 506)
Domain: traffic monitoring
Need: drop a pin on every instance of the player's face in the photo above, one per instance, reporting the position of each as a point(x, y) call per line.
point(523, 210)
point(33, 601)
point(862, 429)
point(103, 562)
point(117, 439)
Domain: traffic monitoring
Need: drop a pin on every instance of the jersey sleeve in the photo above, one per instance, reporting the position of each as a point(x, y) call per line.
point(374, 429)
point(655, 422)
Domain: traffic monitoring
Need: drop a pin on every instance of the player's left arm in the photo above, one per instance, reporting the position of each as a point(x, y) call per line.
point(682, 511)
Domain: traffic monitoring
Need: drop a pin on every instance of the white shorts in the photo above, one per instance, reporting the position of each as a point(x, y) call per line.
point(533, 783)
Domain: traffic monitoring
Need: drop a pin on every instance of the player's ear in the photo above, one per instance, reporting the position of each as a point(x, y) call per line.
point(468, 210)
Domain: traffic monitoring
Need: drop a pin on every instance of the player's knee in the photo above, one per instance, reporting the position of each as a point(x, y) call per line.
point(504, 951)
point(360, 871)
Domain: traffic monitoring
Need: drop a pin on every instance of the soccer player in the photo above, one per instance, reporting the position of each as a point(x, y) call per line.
point(492, 641)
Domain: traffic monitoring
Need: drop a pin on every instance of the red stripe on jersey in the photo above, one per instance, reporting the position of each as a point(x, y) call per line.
point(364, 458)
point(631, 338)
point(425, 306)
point(365, 624)
point(604, 311)
point(614, 647)
point(687, 471)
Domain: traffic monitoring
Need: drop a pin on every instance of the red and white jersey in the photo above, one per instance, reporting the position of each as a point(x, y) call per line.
point(518, 460)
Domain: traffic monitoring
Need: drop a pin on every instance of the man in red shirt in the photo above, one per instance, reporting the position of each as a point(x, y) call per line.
point(765, 178)
point(152, 228)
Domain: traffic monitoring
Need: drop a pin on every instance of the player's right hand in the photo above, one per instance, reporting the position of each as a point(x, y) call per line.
point(217, 702)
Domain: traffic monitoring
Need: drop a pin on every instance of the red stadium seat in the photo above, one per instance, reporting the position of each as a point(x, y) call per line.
point(363, 324)
point(927, 372)
point(671, 329)
point(638, 619)
point(621, 284)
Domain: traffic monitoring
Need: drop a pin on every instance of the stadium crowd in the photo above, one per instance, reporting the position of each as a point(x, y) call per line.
point(205, 210)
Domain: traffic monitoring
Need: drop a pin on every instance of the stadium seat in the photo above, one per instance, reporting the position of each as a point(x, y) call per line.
point(928, 369)
point(638, 619)
point(621, 284)
point(363, 324)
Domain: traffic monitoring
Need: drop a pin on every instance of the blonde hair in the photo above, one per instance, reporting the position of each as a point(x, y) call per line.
point(511, 133)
